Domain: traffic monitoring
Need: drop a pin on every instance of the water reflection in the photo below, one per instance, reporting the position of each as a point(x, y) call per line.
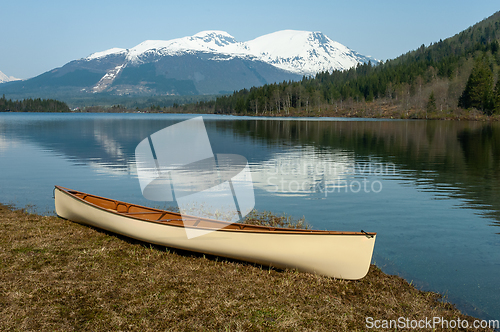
point(437, 177)
point(453, 159)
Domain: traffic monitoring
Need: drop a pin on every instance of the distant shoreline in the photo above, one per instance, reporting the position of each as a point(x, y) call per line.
point(410, 115)
point(359, 110)
point(471, 115)
point(372, 110)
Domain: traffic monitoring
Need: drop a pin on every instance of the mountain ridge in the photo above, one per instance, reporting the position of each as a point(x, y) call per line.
point(276, 48)
point(207, 63)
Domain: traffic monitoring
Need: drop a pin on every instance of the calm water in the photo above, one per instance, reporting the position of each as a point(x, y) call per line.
point(431, 190)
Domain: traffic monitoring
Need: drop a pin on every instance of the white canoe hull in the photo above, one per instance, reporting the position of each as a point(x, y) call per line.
point(343, 255)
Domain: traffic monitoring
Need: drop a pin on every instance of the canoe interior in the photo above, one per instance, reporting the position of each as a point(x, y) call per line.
point(176, 219)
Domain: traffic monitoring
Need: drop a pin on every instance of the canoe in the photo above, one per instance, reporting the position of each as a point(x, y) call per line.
point(343, 255)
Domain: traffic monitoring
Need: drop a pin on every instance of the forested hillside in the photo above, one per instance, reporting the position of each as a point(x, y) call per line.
point(452, 75)
point(32, 105)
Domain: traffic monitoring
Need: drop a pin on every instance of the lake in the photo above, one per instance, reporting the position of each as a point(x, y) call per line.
point(430, 189)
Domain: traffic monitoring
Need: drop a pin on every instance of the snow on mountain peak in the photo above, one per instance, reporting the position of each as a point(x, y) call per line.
point(206, 41)
point(4, 78)
point(219, 37)
point(303, 52)
point(218, 41)
point(280, 44)
point(112, 51)
point(300, 52)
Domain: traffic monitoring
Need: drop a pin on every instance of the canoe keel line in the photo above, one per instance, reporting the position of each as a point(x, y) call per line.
point(344, 255)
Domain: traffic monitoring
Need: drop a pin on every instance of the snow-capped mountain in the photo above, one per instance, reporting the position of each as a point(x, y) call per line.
point(209, 62)
point(205, 41)
point(303, 52)
point(299, 52)
point(4, 78)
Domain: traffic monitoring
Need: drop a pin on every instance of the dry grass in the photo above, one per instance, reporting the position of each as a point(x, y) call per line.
point(60, 276)
point(267, 218)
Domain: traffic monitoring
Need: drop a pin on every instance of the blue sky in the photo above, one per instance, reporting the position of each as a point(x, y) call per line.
point(37, 36)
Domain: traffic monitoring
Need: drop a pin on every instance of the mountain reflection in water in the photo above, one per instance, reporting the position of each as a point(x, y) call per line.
point(431, 189)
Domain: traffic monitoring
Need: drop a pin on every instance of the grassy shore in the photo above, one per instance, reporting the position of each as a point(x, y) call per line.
point(56, 275)
point(385, 111)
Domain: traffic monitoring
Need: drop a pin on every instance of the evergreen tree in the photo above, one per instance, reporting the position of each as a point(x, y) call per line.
point(32, 105)
point(479, 87)
point(496, 98)
point(431, 104)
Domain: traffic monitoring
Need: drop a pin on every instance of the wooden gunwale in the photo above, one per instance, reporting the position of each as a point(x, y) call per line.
point(177, 222)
